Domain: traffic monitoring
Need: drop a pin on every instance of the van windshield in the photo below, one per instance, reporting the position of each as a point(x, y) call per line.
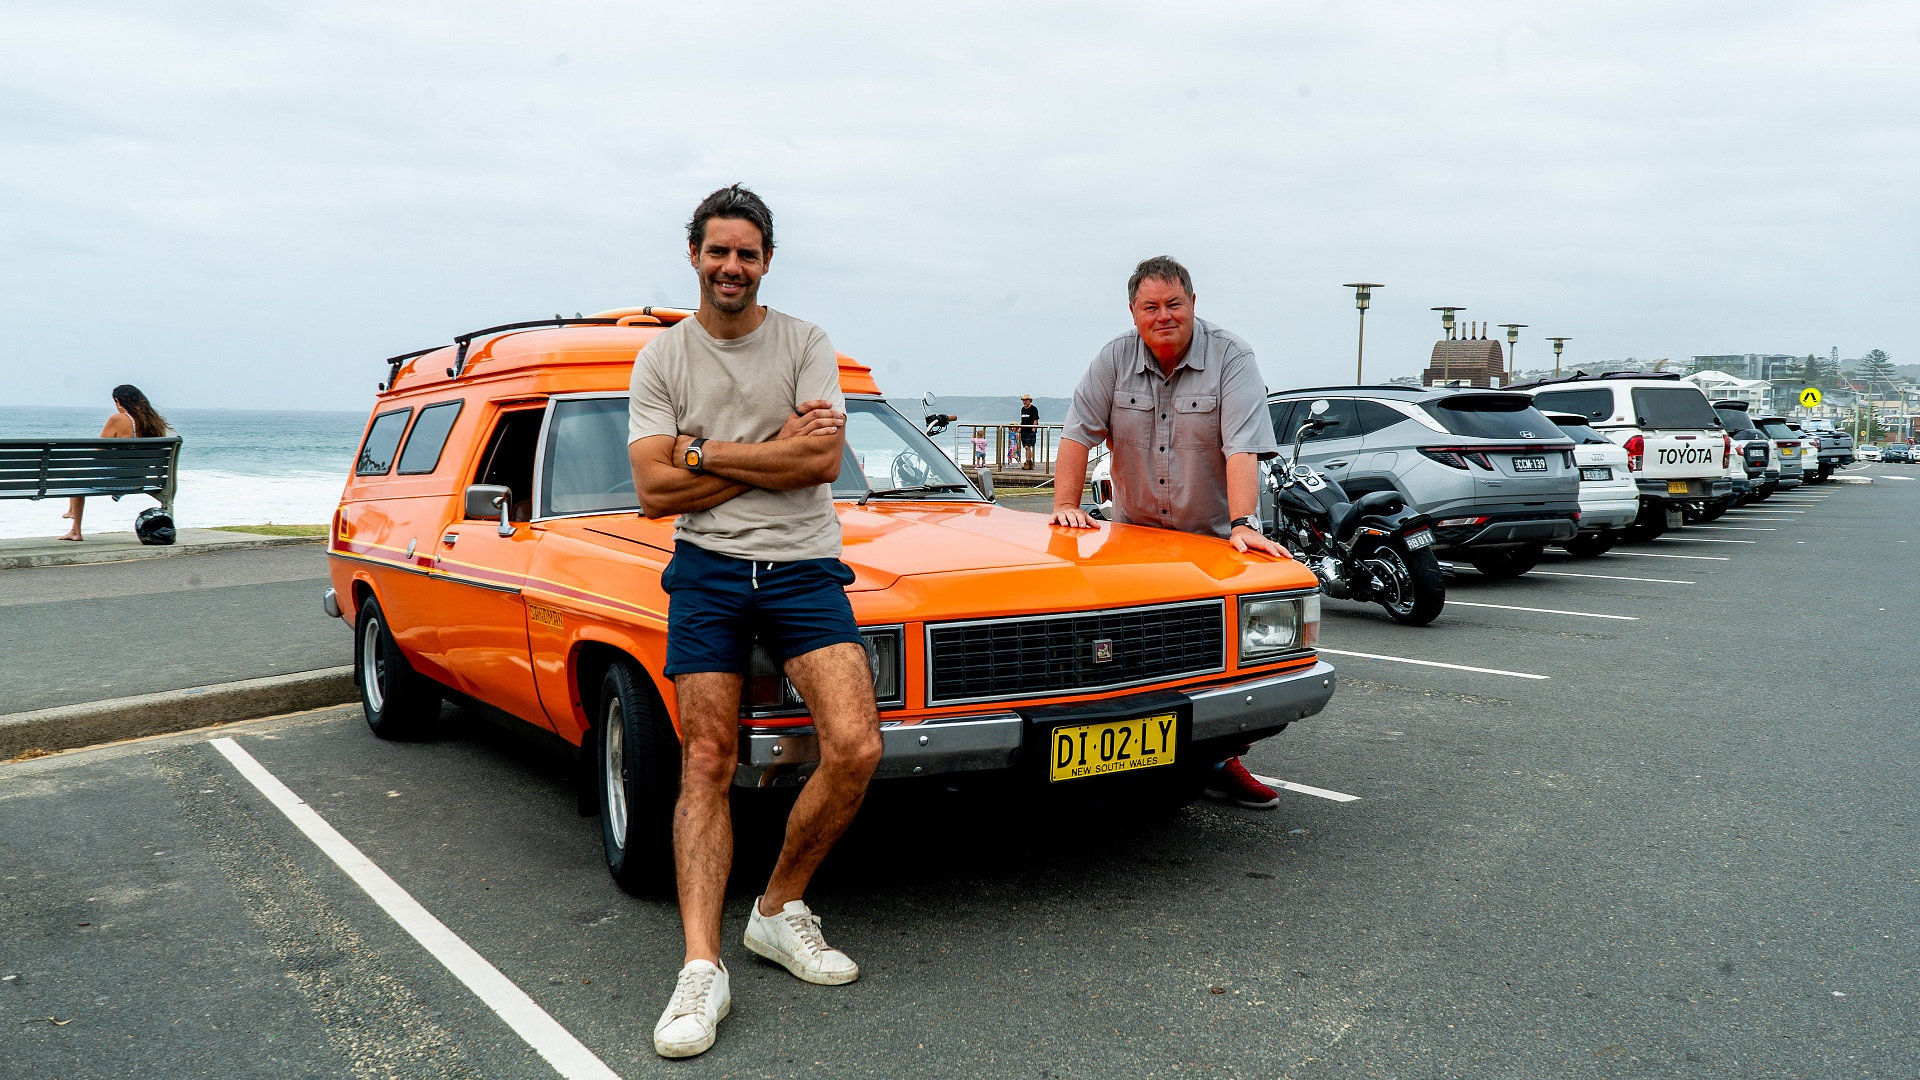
point(887, 455)
point(1673, 407)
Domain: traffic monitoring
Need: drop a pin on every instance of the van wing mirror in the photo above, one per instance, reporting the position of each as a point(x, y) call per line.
point(489, 500)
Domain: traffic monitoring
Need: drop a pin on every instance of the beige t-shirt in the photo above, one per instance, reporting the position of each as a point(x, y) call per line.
point(687, 382)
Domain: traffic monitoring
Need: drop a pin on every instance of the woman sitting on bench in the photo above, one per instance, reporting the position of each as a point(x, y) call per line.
point(133, 418)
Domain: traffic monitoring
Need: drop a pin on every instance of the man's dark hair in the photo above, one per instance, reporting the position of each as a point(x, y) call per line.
point(1159, 268)
point(736, 202)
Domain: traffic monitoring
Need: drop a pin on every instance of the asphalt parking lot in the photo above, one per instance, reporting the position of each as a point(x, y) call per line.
point(1647, 814)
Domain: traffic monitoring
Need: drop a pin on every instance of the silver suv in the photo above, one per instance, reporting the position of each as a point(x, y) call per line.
point(1498, 479)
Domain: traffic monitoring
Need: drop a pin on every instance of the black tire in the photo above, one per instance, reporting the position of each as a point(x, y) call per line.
point(1589, 545)
point(1510, 563)
point(1650, 524)
point(1764, 494)
point(638, 781)
point(398, 701)
point(1420, 589)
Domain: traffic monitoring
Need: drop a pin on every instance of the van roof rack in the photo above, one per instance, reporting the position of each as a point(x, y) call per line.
point(463, 341)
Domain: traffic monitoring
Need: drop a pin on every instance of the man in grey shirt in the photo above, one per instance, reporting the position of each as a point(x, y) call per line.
point(735, 424)
point(1182, 405)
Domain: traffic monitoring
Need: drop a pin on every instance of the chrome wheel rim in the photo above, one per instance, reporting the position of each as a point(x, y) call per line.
point(1395, 571)
point(373, 667)
point(613, 752)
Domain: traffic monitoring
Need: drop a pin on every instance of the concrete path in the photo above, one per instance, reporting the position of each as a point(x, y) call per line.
point(120, 547)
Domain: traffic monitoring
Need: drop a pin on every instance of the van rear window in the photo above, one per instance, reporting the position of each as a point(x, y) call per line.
point(383, 438)
point(428, 438)
point(1491, 416)
point(1672, 407)
point(1594, 404)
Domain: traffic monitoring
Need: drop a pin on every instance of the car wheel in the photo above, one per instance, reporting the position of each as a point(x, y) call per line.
point(1588, 545)
point(397, 700)
point(639, 758)
point(1508, 564)
point(1416, 590)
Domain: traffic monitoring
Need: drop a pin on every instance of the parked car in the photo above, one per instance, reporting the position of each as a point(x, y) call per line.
point(1676, 447)
point(1609, 499)
point(1836, 447)
point(1900, 452)
point(1789, 450)
point(1751, 467)
point(1869, 453)
point(1497, 479)
point(487, 547)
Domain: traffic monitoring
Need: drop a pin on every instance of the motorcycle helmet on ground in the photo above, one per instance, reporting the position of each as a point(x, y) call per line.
point(154, 526)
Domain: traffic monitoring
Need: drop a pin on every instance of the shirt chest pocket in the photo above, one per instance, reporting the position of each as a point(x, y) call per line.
point(1196, 421)
point(1132, 421)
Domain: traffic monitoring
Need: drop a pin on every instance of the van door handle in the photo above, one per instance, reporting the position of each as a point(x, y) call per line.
point(450, 539)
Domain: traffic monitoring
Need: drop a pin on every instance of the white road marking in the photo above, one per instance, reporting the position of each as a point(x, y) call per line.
point(1288, 785)
point(1657, 555)
point(1704, 540)
point(1610, 577)
point(1545, 611)
point(1896, 476)
point(1761, 510)
point(1736, 528)
point(568, 1056)
point(1432, 663)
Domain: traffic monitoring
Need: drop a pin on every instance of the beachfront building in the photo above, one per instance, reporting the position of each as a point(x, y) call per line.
point(1720, 386)
point(1771, 367)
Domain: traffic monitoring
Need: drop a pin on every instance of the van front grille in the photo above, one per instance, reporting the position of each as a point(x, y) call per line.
point(1064, 654)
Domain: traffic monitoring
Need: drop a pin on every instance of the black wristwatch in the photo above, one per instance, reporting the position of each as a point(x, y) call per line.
point(1251, 521)
point(691, 458)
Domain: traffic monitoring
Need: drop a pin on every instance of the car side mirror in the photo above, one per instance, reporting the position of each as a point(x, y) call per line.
point(486, 500)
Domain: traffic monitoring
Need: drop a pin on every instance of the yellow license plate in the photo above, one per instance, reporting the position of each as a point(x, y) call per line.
point(1115, 746)
point(1676, 487)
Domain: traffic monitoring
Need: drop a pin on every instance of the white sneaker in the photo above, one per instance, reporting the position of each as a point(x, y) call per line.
point(792, 939)
point(700, 1001)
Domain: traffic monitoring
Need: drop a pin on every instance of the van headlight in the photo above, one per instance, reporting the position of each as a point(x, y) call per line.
point(768, 693)
point(1272, 626)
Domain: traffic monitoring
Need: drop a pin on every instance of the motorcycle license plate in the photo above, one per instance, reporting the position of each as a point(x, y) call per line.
point(1418, 540)
point(1529, 464)
point(1601, 472)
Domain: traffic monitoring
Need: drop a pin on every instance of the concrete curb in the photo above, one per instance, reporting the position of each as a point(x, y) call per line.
point(94, 722)
point(125, 554)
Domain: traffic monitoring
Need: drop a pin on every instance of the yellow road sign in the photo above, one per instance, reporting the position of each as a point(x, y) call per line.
point(1810, 397)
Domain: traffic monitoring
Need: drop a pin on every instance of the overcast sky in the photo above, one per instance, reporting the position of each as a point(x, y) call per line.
point(249, 204)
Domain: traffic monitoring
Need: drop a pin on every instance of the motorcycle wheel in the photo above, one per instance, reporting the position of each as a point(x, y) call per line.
point(1417, 588)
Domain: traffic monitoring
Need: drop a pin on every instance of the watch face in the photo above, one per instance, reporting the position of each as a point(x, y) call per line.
point(693, 459)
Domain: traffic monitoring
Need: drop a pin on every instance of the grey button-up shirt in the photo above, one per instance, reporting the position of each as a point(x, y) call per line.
point(1171, 435)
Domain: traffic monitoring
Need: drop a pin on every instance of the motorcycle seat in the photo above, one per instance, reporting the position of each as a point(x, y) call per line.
point(1339, 517)
point(1347, 514)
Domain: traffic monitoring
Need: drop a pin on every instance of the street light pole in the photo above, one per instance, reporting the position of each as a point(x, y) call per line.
point(1559, 343)
point(1362, 297)
point(1513, 346)
point(1446, 324)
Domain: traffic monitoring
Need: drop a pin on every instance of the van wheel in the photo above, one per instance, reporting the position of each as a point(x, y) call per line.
point(1508, 564)
point(1588, 545)
point(639, 780)
point(397, 700)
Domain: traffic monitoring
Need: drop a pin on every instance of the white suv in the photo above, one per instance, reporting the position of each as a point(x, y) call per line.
point(1677, 450)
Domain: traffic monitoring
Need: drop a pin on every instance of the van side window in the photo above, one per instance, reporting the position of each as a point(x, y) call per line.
point(586, 469)
point(428, 438)
point(383, 438)
point(509, 458)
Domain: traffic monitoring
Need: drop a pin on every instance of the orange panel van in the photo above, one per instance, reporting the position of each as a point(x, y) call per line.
point(489, 547)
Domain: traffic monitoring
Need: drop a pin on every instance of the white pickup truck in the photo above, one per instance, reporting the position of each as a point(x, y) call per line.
point(1677, 450)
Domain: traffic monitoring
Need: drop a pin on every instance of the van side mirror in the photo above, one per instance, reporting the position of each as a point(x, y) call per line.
point(986, 482)
point(486, 500)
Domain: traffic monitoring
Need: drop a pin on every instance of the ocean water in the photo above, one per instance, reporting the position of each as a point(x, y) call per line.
point(236, 468)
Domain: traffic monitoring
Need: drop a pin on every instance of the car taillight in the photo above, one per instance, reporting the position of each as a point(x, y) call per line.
point(1452, 459)
point(1636, 453)
point(1726, 449)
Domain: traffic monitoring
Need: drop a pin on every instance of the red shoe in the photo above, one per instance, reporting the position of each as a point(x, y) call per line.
point(1233, 783)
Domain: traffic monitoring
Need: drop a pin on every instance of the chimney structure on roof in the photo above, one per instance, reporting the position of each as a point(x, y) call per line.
point(1468, 359)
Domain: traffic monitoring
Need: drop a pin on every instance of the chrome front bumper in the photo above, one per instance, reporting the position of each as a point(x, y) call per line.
point(988, 742)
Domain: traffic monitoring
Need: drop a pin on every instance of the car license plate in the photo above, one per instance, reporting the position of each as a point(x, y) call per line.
point(1676, 487)
point(1114, 746)
point(1601, 472)
point(1418, 540)
point(1529, 464)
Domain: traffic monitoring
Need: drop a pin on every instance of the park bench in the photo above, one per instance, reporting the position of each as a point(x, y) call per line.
point(57, 468)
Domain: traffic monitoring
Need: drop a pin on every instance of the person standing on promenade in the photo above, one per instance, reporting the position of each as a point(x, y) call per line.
point(133, 418)
point(1181, 403)
point(737, 424)
point(1029, 427)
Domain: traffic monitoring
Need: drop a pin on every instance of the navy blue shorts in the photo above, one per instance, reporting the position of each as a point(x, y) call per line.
point(718, 606)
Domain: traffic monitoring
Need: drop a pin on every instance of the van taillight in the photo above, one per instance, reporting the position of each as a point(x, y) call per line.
point(1636, 453)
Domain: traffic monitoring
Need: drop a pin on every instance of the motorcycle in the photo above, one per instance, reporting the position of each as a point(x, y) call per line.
point(1374, 549)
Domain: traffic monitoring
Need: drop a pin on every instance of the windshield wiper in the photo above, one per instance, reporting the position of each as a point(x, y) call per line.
point(914, 490)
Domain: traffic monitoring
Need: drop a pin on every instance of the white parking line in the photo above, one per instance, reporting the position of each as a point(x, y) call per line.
point(1545, 611)
point(1762, 510)
point(1432, 663)
point(568, 1056)
point(1705, 540)
point(1736, 528)
point(1288, 785)
point(1610, 577)
point(1657, 555)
